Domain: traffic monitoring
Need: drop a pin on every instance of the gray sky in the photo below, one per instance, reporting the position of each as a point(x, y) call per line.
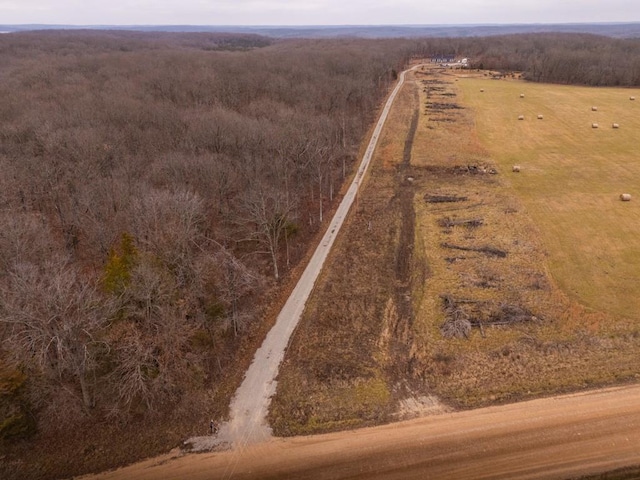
point(314, 12)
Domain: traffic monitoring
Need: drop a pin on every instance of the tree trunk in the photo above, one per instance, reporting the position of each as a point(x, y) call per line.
point(320, 197)
point(286, 245)
point(87, 398)
point(274, 259)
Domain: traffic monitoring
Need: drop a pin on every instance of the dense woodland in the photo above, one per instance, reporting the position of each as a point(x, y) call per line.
point(155, 188)
point(562, 58)
point(151, 189)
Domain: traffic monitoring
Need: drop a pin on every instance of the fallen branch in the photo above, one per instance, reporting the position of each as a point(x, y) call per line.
point(508, 314)
point(443, 198)
point(458, 323)
point(450, 302)
point(490, 251)
point(464, 314)
point(471, 223)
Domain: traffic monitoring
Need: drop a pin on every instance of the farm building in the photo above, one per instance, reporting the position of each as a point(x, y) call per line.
point(443, 58)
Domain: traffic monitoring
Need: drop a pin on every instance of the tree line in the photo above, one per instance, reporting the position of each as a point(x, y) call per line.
point(572, 59)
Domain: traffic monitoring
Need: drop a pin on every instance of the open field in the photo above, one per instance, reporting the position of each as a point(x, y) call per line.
point(459, 283)
point(571, 179)
point(492, 323)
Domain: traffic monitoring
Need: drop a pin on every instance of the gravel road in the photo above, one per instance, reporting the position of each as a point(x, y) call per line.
point(249, 406)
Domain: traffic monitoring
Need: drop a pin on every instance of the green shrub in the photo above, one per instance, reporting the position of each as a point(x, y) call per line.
point(117, 271)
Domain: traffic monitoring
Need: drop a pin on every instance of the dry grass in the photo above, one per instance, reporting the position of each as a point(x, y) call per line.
point(337, 369)
point(566, 259)
point(576, 339)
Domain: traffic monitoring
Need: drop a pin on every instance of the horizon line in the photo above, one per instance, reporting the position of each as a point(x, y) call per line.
point(346, 25)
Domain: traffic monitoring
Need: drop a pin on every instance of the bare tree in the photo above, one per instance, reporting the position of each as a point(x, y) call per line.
point(56, 321)
point(235, 283)
point(168, 224)
point(151, 353)
point(266, 214)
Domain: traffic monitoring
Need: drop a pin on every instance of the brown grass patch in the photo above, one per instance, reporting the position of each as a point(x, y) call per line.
point(341, 366)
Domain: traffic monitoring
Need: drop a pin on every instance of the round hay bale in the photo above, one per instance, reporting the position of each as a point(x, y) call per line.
point(521, 117)
point(594, 109)
point(632, 98)
point(625, 197)
point(516, 168)
point(594, 125)
point(522, 95)
point(616, 125)
point(482, 90)
point(540, 117)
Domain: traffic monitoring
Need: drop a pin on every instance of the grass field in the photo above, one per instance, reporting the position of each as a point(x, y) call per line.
point(570, 244)
point(571, 178)
point(539, 266)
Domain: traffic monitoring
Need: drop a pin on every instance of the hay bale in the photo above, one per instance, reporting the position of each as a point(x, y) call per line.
point(594, 109)
point(625, 197)
point(515, 168)
point(522, 95)
point(521, 117)
point(632, 98)
point(594, 125)
point(482, 90)
point(540, 117)
point(616, 125)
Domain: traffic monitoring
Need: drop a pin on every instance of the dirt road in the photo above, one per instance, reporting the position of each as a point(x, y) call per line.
point(552, 438)
point(250, 404)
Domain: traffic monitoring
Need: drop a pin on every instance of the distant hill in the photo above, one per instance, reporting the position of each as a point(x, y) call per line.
point(620, 30)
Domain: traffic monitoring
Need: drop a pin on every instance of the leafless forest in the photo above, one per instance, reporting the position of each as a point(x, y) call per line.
point(562, 58)
point(152, 188)
point(156, 188)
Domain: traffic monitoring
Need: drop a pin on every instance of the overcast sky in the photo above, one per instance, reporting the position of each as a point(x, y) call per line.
point(315, 12)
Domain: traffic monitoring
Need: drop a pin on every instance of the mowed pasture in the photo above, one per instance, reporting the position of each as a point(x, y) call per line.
point(571, 178)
